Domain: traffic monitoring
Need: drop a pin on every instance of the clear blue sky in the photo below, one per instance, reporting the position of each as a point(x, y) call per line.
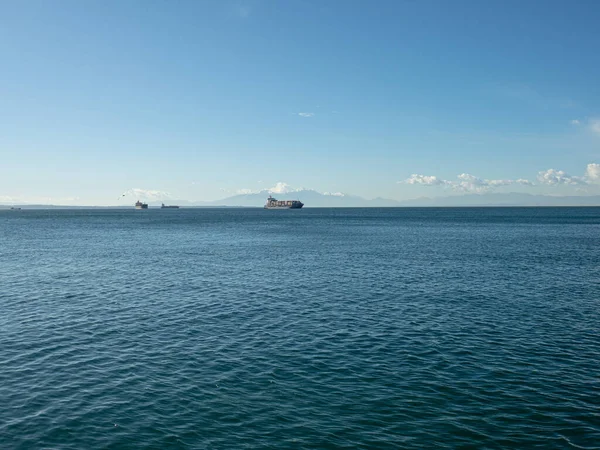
point(203, 98)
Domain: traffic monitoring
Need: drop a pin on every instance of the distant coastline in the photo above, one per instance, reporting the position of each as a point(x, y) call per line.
point(26, 206)
point(314, 199)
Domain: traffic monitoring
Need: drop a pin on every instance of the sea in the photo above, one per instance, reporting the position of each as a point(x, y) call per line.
point(244, 328)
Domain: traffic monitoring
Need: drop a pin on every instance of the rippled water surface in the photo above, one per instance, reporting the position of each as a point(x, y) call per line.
point(316, 328)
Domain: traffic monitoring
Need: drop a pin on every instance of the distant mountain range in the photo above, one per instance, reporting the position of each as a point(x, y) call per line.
point(314, 199)
point(309, 197)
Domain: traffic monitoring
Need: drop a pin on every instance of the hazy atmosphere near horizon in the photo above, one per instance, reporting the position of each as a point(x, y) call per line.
point(199, 101)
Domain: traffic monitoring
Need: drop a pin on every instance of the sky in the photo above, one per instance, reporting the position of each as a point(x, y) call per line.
point(200, 100)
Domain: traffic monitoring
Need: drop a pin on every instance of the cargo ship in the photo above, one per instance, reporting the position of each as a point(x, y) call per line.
point(163, 206)
point(140, 205)
point(273, 203)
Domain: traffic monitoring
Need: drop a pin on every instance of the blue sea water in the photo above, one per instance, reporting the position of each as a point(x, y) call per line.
point(315, 328)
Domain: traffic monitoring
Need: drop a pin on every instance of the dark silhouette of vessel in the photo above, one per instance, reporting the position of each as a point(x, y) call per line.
point(273, 203)
point(140, 205)
point(163, 206)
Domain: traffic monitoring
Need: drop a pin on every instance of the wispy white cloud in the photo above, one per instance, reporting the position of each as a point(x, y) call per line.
point(592, 173)
point(282, 188)
point(306, 114)
point(554, 177)
point(466, 182)
point(493, 183)
point(470, 183)
point(594, 125)
point(424, 179)
point(147, 194)
point(279, 188)
point(524, 182)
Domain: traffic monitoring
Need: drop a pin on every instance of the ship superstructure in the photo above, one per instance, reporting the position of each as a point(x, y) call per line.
point(273, 203)
point(140, 205)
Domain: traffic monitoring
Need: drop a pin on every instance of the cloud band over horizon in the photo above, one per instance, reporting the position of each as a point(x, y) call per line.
point(470, 183)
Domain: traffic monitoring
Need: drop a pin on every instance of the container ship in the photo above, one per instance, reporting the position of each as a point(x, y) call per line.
point(140, 205)
point(273, 203)
point(163, 206)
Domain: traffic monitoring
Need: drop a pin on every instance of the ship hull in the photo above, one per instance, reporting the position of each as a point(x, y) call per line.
point(273, 203)
point(284, 207)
